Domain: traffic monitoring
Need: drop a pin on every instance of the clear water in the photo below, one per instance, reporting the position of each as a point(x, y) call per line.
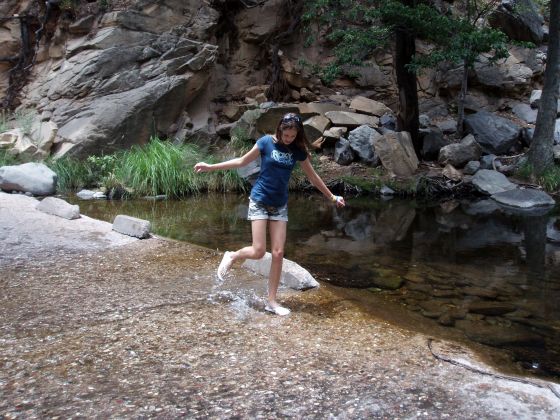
point(469, 268)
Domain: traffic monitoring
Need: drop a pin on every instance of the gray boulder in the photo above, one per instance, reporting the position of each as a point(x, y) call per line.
point(343, 154)
point(362, 141)
point(518, 19)
point(35, 178)
point(491, 182)
point(132, 226)
point(493, 133)
point(471, 167)
point(59, 207)
point(525, 112)
point(458, 154)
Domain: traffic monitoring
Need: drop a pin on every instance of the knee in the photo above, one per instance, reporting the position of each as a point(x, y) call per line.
point(277, 254)
point(258, 252)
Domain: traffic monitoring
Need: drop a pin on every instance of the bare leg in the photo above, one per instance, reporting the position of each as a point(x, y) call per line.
point(255, 251)
point(277, 240)
point(258, 247)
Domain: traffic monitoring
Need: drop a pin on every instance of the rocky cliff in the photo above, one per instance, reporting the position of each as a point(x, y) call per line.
point(104, 75)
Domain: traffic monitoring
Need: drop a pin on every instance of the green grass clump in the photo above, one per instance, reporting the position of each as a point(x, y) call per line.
point(159, 168)
point(72, 174)
point(549, 180)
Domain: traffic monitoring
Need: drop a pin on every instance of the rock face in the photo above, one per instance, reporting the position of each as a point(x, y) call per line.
point(107, 79)
point(123, 85)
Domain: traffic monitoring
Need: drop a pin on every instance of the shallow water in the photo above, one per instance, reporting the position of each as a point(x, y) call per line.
point(467, 270)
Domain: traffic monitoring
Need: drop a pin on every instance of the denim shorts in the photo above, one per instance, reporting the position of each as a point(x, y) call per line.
point(260, 211)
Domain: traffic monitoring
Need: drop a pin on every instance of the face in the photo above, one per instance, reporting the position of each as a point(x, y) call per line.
point(289, 135)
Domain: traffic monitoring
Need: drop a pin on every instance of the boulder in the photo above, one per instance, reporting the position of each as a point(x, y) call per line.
point(368, 106)
point(343, 154)
point(525, 112)
point(268, 120)
point(132, 226)
point(293, 275)
point(59, 207)
point(362, 141)
point(315, 126)
point(493, 133)
point(519, 20)
point(35, 178)
point(458, 154)
point(491, 182)
point(397, 153)
point(471, 167)
point(310, 109)
point(351, 119)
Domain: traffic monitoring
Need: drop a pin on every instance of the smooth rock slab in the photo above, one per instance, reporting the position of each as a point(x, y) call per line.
point(491, 182)
point(293, 275)
point(524, 198)
point(59, 207)
point(132, 226)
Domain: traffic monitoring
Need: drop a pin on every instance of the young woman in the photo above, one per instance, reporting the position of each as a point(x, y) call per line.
point(269, 197)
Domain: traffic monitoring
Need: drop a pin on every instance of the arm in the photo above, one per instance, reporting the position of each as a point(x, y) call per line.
point(229, 164)
point(318, 183)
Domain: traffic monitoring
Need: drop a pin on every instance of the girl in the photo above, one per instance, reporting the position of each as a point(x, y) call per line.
point(269, 197)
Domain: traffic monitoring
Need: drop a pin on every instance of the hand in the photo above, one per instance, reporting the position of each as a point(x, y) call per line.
point(201, 167)
point(339, 200)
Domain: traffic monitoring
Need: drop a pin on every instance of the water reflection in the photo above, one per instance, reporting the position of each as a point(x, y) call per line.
point(490, 274)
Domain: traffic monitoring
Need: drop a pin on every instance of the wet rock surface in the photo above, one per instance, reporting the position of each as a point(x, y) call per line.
point(139, 330)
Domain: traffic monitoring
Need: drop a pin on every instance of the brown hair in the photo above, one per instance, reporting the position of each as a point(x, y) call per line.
point(292, 120)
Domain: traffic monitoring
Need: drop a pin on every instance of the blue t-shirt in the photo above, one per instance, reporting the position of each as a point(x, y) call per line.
point(277, 163)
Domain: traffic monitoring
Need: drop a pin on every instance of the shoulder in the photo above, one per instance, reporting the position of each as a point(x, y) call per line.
point(265, 140)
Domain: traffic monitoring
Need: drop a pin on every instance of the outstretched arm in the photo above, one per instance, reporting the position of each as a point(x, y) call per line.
point(229, 164)
point(318, 183)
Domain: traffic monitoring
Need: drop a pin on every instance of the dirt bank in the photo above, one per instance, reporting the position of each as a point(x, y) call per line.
point(94, 324)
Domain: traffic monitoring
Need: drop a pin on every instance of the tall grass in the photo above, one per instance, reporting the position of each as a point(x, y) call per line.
point(158, 168)
point(549, 180)
point(72, 174)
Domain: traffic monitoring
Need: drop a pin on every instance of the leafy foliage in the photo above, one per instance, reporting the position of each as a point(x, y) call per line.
point(357, 27)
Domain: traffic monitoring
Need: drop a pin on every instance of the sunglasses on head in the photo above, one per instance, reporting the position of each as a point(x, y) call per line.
point(291, 117)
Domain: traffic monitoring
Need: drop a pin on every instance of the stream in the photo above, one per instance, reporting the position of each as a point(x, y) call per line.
point(465, 270)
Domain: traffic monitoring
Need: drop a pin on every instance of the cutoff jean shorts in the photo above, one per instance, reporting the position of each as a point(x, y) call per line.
point(260, 211)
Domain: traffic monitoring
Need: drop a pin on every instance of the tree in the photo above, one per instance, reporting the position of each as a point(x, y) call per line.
point(457, 39)
point(540, 155)
point(358, 27)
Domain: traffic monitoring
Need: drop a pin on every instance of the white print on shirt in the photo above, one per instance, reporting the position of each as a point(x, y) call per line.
point(285, 158)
